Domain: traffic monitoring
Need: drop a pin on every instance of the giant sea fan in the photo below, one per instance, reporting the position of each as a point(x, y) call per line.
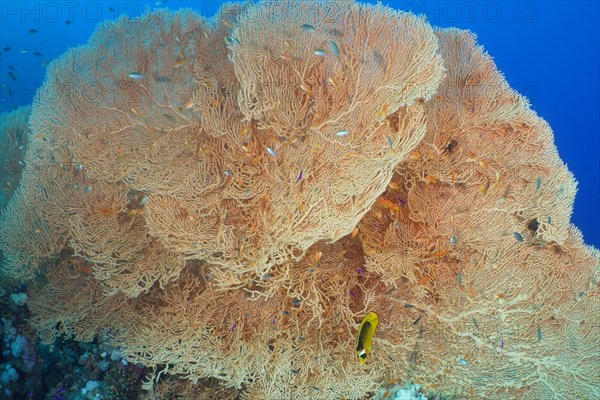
point(235, 194)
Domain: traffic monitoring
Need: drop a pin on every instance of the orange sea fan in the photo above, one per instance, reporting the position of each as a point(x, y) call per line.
point(241, 191)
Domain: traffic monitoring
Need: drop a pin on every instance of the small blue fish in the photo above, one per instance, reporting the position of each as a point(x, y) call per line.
point(88, 189)
point(390, 143)
point(299, 176)
point(550, 220)
point(271, 152)
point(32, 31)
point(308, 28)
point(538, 183)
point(233, 327)
point(501, 343)
point(334, 48)
point(320, 52)
point(295, 372)
point(24, 51)
point(453, 240)
point(459, 279)
point(360, 271)
point(539, 333)
point(136, 75)
point(296, 301)
point(232, 40)
point(475, 323)
point(342, 132)
point(409, 306)
point(247, 315)
point(228, 172)
point(518, 236)
point(285, 312)
point(463, 361)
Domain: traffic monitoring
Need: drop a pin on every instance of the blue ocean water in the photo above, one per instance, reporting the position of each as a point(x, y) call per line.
point(548, 51)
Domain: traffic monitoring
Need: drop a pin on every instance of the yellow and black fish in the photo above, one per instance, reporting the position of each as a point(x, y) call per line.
point(366, 331)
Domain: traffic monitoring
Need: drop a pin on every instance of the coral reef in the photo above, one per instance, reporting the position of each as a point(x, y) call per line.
point(66, 369)
point(226, 199)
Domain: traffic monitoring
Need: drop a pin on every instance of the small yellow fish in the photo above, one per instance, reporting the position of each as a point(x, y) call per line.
point(429, 179)
point(472, 292)
point(317, 258)
point(394, 185)
point(388, 204)
point(179, 62)
point(305, 88)
point(333, 83)
point(384, 110)
point(439, 254)
point(415, 155)
point(424, 280)
point(364, 339)
point(354, 232)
